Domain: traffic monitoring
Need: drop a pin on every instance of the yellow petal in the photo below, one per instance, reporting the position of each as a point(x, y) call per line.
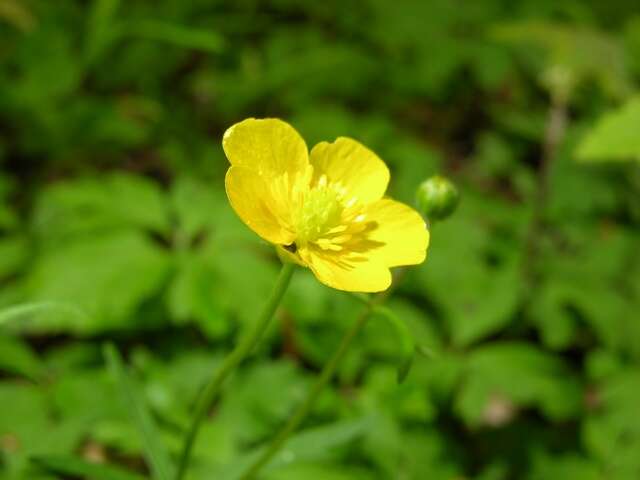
point(339, 272)
point(353, 168)
point(253, 200)
point(400, 232)
point(269, 147)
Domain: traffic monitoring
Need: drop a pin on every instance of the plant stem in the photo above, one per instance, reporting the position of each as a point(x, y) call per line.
point(231, 362)
point(303, 410)
point(554, 135)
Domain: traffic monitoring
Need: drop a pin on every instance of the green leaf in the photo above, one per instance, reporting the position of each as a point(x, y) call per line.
point(611, 432)
point(68, 465)
point(310, 445)
point(261, 398)
point(415, 453)
point(319, 471)
point(571, 54)
point(474, 273)
point(101, 30)
point(513, 375)
point(14, 251)
point(546, 465)
point(197, 206)
point(177, 35)
point(404, 403)
point(107, 276)
point(170, 388)
point(191, 295)
point(16, 312)
point(16, 356)
point(27, 428)
point(577, 291)
point(91, 205)
point(8, 218)
point(86, 397)
point(614, 136)
point(154, 450)
point(405, 340)
point(24, 413)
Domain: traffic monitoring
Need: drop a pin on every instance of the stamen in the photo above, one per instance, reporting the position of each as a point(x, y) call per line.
point(338, 229)
point(326, 244)
point(342, 238)
point(324, 214)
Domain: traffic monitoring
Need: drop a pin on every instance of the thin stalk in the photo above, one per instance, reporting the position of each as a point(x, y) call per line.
point(231, 362)
point(554, 135)
point(303, 410)
point(325, 376)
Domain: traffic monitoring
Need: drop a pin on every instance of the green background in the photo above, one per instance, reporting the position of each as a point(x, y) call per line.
point(114, 225)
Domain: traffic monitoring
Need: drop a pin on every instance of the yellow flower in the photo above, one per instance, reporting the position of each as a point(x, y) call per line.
point(324, 210)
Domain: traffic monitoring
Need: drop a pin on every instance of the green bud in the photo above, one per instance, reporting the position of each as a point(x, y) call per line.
point(437, 198)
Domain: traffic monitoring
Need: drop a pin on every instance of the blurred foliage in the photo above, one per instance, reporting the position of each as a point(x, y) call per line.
point(114, 224)
point(613, 137)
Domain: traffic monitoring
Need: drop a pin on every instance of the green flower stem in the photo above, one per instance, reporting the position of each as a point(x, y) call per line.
point(303, 410)
point(231, 362)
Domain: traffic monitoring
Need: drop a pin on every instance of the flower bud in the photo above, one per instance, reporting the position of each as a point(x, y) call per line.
point(437, 198)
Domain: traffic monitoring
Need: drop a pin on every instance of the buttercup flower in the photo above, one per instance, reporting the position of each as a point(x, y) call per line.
point(326, 209)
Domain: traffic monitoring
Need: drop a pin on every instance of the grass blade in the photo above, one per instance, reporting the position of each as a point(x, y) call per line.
point(15, 312)
point(67, 465)
point(154, 451)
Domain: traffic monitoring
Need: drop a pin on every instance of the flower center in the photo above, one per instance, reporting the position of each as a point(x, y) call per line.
point(319, 211)
point(325, 217)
